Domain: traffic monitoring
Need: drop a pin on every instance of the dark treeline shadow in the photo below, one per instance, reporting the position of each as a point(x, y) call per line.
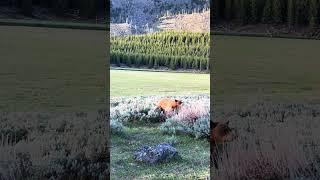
point(62, 8)
point(282, 17)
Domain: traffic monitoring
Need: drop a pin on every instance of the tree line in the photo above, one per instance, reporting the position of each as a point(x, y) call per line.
point(175, 50)
point(290, 12)
point(85, 8)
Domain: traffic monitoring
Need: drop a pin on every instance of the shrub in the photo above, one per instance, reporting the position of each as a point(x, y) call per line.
point(276, 141)
point(136, 110)
point(57, 146)
point(172, 140)
point(192, 118)
point(116, 126)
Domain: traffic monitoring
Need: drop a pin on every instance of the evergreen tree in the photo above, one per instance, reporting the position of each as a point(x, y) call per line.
point(227, 9)
point(244, 17)
point(291, 13)
point(267, 12)
point(253, 11)
point(313, 17)
point(26, 6)
point(237, 10)
point(277, 11)
point(215, 10)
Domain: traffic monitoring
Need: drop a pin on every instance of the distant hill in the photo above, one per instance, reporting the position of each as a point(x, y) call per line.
point(144, 14)
point(195, 22)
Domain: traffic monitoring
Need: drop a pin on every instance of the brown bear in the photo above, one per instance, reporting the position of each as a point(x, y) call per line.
point(220, 133)
point(168, 105)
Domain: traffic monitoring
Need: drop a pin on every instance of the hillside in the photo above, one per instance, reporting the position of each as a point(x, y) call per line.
point(281, 17)
point(145, 14)
point(195, 22)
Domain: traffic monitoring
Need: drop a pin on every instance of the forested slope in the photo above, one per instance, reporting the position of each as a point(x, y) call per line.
point(275, 16)
point(175, 50)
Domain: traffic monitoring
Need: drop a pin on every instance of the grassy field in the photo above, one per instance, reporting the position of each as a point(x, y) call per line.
point(193, 165)
point(268, 89)
point(194, 152)
point(52, 69)
point(143, 83)
point(53, 86)
point(269, 68)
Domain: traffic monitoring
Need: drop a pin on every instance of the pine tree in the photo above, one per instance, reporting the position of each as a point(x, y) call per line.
point(267, 12)
point(243, 11)
point(253, 11)
point(227, 12)
point(277, 11)
point(291, 13)
point(26, 6)
point(313, 14)
point(216, 10)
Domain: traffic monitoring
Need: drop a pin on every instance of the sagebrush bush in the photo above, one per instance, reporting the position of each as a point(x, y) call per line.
point(201, 128)
point(276, 141)
point(172, 140)
point(116, 126)
point(192, 118)
point(133, 110)
point(172, 126)
point(56, 146)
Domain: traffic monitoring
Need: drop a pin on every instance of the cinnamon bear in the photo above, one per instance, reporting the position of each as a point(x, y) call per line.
point(169, 105)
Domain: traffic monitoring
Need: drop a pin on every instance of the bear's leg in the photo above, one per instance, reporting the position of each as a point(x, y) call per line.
point(162, 110)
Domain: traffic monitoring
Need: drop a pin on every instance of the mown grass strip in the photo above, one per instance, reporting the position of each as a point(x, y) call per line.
point(53, 24)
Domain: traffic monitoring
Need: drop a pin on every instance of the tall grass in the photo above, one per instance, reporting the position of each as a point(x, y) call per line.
point(57, 146)
point(191, 118)
point(276, 141)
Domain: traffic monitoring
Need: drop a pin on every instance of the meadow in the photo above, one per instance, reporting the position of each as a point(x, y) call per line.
point(48, 69)
point(276, 141)
point(134, 122)
point(53, 103)
point(268, 88)
point(144, 83)
point(247, 68)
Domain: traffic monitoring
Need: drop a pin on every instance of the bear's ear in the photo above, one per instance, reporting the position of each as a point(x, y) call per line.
point(213, 124)
point(227, 123)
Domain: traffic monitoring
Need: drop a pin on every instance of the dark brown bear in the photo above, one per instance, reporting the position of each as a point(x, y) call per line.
point(220, 133)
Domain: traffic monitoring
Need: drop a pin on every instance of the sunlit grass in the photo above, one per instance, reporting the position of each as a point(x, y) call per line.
point(143, 83)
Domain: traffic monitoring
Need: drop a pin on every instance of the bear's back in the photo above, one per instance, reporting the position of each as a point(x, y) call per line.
point(166, 103)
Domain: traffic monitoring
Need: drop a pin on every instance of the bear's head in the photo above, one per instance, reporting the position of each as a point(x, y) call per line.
point(178, 102)
point(221, 132)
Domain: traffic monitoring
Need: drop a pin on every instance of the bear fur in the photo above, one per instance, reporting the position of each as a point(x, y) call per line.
point(168, 105)
point(220, 134)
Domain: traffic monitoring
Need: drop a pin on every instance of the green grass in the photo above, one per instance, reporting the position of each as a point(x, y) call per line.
point(272, 68)
point(194, 162)
point(52, 69)
point(143, 83)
